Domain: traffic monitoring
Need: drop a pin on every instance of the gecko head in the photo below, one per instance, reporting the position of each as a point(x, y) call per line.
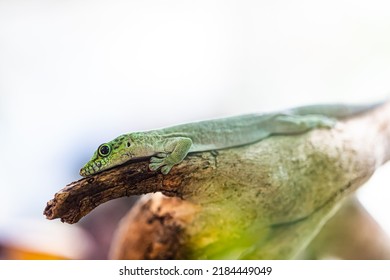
point(108, 155)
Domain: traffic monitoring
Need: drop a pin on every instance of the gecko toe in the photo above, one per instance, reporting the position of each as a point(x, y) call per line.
point(165, 169)
point(154, 166)
point(161, 155)
point(156, 160)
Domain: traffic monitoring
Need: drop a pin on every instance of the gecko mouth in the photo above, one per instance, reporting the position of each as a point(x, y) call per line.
point(103, 164)
point(91, 169)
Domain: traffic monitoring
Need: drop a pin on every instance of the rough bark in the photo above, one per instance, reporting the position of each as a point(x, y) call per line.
point(154, 229)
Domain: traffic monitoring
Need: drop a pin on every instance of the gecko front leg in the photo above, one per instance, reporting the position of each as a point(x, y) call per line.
point(175, 150)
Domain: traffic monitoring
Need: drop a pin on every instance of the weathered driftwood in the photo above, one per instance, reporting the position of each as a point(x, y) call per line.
point(266, 200)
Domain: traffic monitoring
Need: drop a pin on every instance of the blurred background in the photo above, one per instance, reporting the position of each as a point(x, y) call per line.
point(74, 74)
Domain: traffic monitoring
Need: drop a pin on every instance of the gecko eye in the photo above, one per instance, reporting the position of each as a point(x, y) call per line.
point(104, 150)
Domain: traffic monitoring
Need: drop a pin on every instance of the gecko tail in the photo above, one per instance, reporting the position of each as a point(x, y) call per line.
point(338, 111)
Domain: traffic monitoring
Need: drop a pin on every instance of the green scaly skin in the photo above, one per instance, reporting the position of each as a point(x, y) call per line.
point(168, 147)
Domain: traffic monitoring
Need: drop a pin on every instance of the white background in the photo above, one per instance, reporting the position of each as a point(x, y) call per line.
point(74, 74)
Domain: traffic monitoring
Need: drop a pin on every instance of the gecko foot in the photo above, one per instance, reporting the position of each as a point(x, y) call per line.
point(160, 160)
point(165, 168)
point(325, 122)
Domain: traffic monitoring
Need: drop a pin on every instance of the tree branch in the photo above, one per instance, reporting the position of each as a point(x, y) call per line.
point(133, 178)
point(276, 193)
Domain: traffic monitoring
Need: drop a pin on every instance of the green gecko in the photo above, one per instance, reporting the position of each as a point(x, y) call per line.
point(169, 146)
